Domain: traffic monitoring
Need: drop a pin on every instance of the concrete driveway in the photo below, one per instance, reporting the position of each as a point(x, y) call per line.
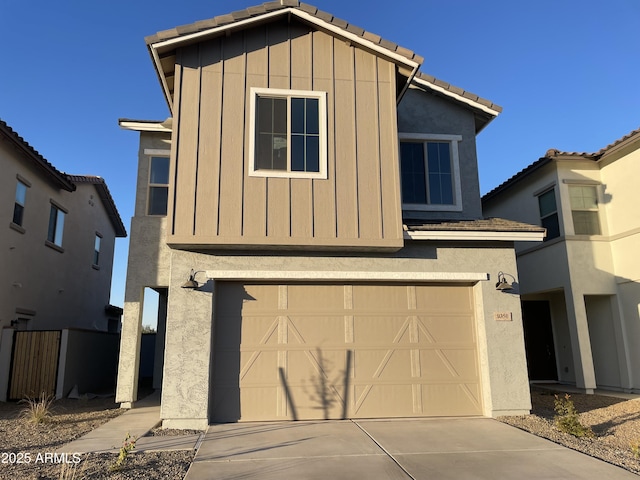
point(477, 448)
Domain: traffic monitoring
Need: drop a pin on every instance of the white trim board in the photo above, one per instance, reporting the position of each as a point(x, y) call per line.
point(349, 276)
point(472, 236)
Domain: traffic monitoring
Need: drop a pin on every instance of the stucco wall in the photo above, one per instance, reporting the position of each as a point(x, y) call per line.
point(189, 323)
point(61, 287)
point(422, 112)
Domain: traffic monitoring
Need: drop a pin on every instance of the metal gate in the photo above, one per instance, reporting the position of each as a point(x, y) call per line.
point(34, 364)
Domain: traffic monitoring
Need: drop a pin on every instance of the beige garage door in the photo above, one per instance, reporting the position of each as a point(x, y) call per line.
point(302, 351)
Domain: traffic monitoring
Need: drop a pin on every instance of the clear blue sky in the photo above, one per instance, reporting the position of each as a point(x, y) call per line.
point(567, 73)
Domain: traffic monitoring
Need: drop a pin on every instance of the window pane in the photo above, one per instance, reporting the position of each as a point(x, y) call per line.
point(59, 228)
point(18, 213)
point(586, 223)
point(53, 216)
point(158, 200)
point(159, 170)
point(547, 203)
point(583, 198)
point(313, 154)
point(96, 252)
point(435, 192)
point(265, 115)
point(313, 119)
point(297, 153)
point(552, 226)
point(297, 115)
point(444, 157)
point(279, 152)
point(21, 193)
point(280, 115)
point(412, 171)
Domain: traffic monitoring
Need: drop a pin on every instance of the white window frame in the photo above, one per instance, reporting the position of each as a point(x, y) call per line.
point(322, 114)
point(453, 140)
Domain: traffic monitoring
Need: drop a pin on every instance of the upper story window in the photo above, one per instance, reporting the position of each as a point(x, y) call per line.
point(96, 250)
point(549, 214)
point(584, 209)
point(56, 225)
point(288, 133)
point(18, 207)
point(158, 186)
point(430, 172)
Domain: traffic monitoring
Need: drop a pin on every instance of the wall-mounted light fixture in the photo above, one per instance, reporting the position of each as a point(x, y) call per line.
point(192, 284)
point(502, 284)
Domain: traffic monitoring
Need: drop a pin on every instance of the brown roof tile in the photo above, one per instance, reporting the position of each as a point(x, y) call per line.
point(479, 225)
point(107, 200)
point(61, 179)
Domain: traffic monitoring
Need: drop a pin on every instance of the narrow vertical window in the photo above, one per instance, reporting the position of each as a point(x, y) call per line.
point(18, 207)
point(56, 226)
point(158, 186)
point(96, 250)
point(549, 214)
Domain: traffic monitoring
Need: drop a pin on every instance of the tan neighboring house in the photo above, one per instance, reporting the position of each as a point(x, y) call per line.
point(580, 288)
point(57, 248)
point(310, 214)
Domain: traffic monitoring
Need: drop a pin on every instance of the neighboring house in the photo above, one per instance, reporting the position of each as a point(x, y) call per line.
point(58, 244)
point(310, 215)
point(580, 288)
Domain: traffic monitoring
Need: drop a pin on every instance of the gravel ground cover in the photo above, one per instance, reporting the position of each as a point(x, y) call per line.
point(614, 421)
point(33, 446)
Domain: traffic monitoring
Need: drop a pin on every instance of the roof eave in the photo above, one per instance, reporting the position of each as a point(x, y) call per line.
point(474, 235)
point(162, 46)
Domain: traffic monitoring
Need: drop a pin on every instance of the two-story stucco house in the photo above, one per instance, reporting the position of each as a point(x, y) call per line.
point(57, 250)
point(310, 214)
point(56, 257)
point(580, 287)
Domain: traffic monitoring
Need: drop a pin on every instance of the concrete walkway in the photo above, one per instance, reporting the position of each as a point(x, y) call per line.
point(137, 422)
point(476, 448)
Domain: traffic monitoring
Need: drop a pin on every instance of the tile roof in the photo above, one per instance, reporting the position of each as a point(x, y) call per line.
point(59, 178)
point(478, 225)
point(107, 200)
point(459, 91)
point(553, 153)
point(268, 7)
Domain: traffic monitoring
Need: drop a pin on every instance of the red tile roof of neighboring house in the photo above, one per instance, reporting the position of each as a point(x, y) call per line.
point(60, 179)
point(553, 153)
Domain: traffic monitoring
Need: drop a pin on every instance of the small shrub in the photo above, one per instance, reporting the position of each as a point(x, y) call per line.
point(567, 419)
point(37, 410)
point(635, 448)
point(127, 446)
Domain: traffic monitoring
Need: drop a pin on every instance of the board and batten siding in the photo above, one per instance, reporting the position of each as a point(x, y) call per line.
point(213, 200)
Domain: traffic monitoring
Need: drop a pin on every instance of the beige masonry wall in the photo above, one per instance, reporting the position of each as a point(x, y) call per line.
point(187, 369)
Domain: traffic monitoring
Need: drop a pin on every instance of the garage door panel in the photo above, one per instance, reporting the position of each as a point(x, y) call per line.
point(380, 298)
point(315, 366)
point(316, 298)
point(302, 351)
point(446, 329)
point(382, 364)
point(315, 330)
point(375, 330)
point(450, 400)
point(441, 298)
point(459, 365)
point(372, 399)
